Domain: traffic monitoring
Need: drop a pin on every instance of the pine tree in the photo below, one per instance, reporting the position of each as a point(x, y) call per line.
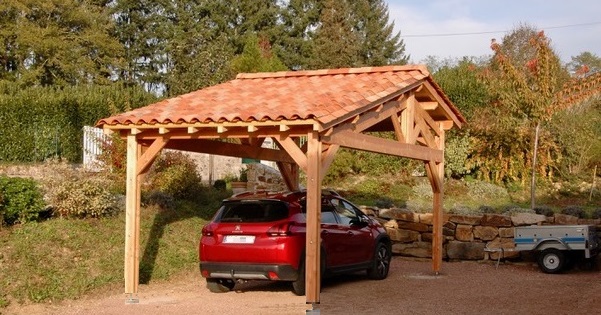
point(336, 44)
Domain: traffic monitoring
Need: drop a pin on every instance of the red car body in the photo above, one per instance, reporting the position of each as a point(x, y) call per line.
point(261, 236)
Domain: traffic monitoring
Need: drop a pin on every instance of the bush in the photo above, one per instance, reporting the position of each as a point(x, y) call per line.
point(596, 214)
point(174, 173)
point(21, 200)
point(220, 184)
point(544, 210)
point(158, 198)
point(574, 211)
point(84, 198)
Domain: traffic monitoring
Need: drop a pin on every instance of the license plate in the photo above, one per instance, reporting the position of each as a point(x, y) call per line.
point(239, 239)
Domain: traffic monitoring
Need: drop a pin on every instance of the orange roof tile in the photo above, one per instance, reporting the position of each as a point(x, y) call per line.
point(323, 95)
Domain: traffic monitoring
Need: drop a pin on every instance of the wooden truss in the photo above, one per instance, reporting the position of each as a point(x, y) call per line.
point(417, 115)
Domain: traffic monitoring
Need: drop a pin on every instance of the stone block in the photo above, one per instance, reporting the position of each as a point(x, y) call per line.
point(465, 250)
point(419, 227)
point(496, 220)
point(466, 219)
point(564, 219)
point(417, 249)
point(505, 243)
point(486, 233)
point(399, 214)
point(403, 236)
point(527, 219)
point(426, 218)
point(506, 232)
point(464, 233)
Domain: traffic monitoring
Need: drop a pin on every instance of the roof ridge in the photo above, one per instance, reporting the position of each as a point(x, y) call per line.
point(282, 74)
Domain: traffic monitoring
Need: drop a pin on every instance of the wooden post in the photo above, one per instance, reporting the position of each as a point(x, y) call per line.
point(437, 237)
point(313, 240)
point(132, 221)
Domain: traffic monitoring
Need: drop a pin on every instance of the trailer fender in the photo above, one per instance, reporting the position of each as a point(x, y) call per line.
point(554, 243)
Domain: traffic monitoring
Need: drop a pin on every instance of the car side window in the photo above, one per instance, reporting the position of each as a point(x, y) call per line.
point(346, 212)
point(327, 215)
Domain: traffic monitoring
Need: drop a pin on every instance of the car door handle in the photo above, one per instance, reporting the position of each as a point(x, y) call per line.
point(324, 232)
point(350, 233)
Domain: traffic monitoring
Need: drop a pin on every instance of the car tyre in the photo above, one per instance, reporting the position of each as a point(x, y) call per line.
point(299, 285)
point(220, 285)
point(381, 262)
point(551, 260)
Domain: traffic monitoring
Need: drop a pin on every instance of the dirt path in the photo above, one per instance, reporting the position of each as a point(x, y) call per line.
point(411, 288)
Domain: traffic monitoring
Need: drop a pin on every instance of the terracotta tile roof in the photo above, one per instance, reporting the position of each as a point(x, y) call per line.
point(323, 95)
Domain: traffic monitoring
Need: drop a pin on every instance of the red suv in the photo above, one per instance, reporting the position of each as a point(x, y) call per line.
point(261, 236)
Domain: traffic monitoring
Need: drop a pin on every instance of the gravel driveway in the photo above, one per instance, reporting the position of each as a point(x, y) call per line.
point(411, 288)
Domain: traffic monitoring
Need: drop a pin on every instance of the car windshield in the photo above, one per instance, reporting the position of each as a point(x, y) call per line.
point(253, 211)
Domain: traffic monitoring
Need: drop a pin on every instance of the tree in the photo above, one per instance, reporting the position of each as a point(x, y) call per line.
point(525, 96)
point(299, 21)
point(257, 57)
point(336, 45)
point(585, 64)
point(62, 42)
point(379, 45)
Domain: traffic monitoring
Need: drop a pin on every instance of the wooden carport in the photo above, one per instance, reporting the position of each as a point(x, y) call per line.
point(331, 108)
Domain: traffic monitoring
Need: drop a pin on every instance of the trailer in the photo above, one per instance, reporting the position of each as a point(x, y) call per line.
point(555, 245)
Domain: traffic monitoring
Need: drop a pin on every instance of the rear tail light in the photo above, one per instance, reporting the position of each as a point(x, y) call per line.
point(280, 229)
point(208, 230)
point(273, 276)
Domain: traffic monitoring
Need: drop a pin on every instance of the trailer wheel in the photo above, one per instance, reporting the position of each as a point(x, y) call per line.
point(551, 260)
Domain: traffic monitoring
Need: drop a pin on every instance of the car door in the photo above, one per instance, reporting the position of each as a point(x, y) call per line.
point(358, 238)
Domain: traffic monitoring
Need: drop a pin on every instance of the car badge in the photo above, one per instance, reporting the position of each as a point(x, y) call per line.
point(237, 228)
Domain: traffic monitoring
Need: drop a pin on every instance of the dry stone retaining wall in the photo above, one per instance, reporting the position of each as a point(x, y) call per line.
point(465, 237)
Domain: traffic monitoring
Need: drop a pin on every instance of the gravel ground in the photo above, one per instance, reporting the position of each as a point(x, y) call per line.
point(411, 288)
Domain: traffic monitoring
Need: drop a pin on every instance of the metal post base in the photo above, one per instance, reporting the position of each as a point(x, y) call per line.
point(314, 310)
point(132, 299)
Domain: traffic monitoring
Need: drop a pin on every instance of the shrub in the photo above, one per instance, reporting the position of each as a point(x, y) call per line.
point(486, 209)
point(596, 214)
point(220, 184)
point(384, 202)
point(21, 200)
point(174, 173)
point(574, 211)
point(158, 198)
point(84, 198)
point(544, 210)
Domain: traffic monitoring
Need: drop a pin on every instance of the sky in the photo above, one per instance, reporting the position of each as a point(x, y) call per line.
point(574, 26)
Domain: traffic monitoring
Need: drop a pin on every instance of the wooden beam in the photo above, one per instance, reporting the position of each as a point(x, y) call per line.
point(408, 119)
point(428, 105)
point(450, 114)
point(229, 149)
point(132, 221)
point(294, 151)
point(327, 158)
point(145, 161)
point(313, 238)
point(379, 145)
point(289, 173)
point(361, 122)
point(398, 131)
point(427, 118)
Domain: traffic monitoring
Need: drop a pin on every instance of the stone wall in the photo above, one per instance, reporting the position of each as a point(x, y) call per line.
point(465, 236)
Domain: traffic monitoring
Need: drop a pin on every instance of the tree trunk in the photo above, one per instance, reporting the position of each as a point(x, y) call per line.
point(533, 182)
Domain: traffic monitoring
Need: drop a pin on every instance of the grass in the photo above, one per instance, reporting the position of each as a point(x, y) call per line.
point(64, 258)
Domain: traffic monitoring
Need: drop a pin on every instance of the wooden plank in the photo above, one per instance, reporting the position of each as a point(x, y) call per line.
point(289, 173)
point(427, 118)
point(379, 145)
point(293, 150)
point(424, 130)
point(398, 131)
point(408, 119)
point(229, 149)
point(132, 209)
point(450, 114)
point(366, 120)
point(313, 239)
point(428, 105)
point(327, 158)
point(145, 161)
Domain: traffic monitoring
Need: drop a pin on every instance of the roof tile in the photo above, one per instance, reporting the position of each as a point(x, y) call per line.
point(324, 95)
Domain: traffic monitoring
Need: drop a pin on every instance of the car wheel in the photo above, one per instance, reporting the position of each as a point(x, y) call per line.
point(551, 260)
point(220, 285)
point(381, 262)
point(299, 285)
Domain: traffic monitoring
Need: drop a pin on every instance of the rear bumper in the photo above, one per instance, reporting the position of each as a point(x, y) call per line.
point(247, 271)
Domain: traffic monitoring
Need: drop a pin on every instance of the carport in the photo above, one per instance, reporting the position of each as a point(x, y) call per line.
point(329, 108)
